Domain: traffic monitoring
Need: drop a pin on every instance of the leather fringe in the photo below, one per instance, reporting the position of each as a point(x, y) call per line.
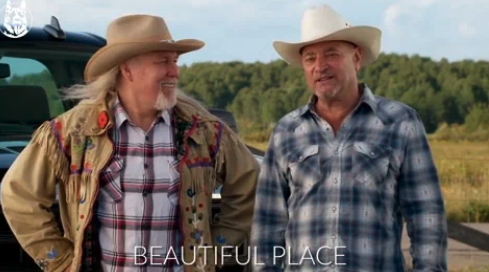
point(228, 137)
point(45, 138)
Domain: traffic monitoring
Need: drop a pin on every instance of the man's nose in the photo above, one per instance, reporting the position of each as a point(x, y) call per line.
point(322, 64)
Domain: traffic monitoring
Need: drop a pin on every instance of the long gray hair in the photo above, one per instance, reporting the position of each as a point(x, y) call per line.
point(100, 90)
point(104, 89)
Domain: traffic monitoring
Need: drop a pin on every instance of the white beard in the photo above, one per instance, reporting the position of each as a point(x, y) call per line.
point(165, 102)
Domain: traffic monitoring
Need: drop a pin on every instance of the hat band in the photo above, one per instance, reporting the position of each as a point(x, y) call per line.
point(154, 38)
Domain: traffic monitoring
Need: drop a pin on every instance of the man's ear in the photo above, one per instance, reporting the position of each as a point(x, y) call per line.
point(358, 58)
point(126, 71)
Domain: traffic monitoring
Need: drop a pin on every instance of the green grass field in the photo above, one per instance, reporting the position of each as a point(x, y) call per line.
point(469, 269)
point(464, 173)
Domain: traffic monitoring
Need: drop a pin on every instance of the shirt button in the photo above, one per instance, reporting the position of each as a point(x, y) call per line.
point(147, 138)
point(145, 166)
point(336, 152)
point(145, 193)
point(334, 209)
point(335, 180)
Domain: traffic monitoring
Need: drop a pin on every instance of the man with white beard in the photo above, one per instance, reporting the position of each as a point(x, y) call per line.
point(136, 162)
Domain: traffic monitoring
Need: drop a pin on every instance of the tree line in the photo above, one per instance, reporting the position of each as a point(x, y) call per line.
point(443, 92)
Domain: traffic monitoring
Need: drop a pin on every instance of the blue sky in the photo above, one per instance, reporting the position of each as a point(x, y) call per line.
point(244, 30)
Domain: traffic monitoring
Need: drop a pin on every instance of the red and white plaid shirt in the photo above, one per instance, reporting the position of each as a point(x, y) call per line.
point(138, 201)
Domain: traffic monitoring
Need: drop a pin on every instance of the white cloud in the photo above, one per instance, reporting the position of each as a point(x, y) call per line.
point(245, 29)
point(223, 12)
point(466, 30)
point(391, 15)
point(403, 10)
point(423, 3)
point(463, 17)
point(215, 13)
point(231, 29)
point(452, 29)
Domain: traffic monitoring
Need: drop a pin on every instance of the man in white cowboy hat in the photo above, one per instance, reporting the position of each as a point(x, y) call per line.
point(342, 172)
point(136, 162)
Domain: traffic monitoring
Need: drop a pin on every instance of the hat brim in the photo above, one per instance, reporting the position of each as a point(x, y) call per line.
point(112, 55)
point(368, 38)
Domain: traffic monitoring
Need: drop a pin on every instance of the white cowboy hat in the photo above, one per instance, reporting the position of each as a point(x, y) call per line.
point(131, 35)
point(322, 23)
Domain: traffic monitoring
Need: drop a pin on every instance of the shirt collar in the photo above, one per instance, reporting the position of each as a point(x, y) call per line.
point(121, 115)
point(367, 97)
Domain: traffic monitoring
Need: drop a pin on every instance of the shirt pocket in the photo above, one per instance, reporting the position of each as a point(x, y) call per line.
point(304, 167)
point(110, 182)
point(370, 162)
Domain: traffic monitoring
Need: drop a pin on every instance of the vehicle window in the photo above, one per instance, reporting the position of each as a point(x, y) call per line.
point(29, 72)
point(30, 84)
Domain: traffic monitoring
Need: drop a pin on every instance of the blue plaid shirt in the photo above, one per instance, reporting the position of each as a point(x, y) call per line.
point(329, 202)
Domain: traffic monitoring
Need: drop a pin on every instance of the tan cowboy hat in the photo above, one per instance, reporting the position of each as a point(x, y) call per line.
point(129, 36)
point(322, 23)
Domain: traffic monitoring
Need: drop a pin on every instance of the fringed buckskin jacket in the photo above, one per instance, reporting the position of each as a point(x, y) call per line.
point(73, 148)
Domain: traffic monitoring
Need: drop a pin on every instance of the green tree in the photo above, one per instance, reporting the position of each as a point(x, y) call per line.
point(478, 118)
point(442, 92)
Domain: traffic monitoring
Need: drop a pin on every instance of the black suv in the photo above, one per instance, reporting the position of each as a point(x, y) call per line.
point(32, 71)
